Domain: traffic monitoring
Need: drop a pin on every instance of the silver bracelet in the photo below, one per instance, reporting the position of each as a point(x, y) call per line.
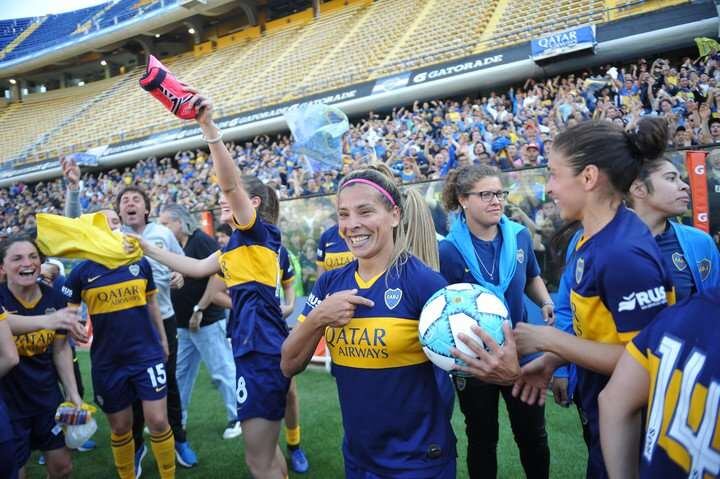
point(212, 141)
point(547, 303)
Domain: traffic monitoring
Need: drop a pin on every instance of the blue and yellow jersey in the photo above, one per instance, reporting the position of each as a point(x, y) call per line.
point(617, 286)
point(396, 422)
point(6, 431)
point(680, 352)
point(32, 387)
point(332, 251)
point(116, 300)
point(250, 266)
point(286, 268)
point(454, 269)
point(676, 263)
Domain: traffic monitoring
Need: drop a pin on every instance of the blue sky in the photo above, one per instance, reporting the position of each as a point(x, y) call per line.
point(36, 8)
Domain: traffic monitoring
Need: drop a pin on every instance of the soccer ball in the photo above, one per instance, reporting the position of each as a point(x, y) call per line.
point(453, 310)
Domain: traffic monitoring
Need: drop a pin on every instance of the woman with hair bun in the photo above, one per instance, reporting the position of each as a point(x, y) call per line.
point(615, 272)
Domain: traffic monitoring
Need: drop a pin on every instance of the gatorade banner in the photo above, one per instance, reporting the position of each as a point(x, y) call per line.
point(695, 163)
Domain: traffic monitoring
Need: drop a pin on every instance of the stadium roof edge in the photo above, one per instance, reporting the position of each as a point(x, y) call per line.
point(107, 36)
point(647, 43)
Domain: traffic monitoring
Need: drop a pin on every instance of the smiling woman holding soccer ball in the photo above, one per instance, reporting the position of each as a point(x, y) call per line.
point(484, 247)
point(394, 414)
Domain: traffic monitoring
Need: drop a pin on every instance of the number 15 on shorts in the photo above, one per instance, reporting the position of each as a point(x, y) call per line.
point(158, 378)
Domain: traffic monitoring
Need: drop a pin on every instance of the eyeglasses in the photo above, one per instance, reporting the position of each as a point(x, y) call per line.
point(487, 196)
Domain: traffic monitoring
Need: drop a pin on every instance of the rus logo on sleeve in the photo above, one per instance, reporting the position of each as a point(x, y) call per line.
point(644, 299)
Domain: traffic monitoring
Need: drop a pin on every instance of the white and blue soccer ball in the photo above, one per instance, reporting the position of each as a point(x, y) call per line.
point(453, 310)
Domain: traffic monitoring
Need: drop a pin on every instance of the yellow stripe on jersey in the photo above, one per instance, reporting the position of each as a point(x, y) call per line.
point(247, 226)
point(37, 342)
point(29, 304)
point(3, 315)
point(593, 321)
point(375, 343)
point(250, 263)
point(116, 297)
point(674, 449)
point(336, 260)
point(670, 295)
point(362, 284)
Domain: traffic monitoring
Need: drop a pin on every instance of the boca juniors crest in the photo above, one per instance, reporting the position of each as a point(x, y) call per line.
point(704, 266)
point(579, 269)
point(679, 261)
point(393, 297)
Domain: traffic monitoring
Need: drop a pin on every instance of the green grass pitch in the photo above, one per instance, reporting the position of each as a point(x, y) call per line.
point(321, 437)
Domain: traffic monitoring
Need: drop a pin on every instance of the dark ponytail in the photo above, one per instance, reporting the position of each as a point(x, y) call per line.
point(619, 154)
point(269, 209)
point(650, 139)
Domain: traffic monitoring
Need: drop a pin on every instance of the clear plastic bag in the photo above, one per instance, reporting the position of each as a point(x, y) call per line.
point(318, 131)
point(76, 436)
point(77, 423)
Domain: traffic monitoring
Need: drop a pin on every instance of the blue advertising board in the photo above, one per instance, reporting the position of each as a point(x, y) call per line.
point(560, 43)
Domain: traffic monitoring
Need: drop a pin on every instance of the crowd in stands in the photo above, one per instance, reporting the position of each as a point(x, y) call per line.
point(511, 130)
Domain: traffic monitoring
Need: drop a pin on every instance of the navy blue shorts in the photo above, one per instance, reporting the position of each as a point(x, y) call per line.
point(116, 389)
point(38, 432)
point(447, 471)
point(260, 387)
point(8, 465)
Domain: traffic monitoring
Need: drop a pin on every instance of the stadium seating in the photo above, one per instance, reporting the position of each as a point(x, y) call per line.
point(124, 10)
point(39, 115)
point(54, 30)
point(430, 41)
point(11, 29)
point(372, 37)
point(296, 56)
point(522, 21)
point(298, 59)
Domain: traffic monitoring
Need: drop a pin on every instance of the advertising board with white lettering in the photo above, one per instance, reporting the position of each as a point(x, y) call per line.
point(563, 42)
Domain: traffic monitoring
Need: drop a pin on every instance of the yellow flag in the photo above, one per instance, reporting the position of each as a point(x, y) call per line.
point(86, 237)
point(706, 46)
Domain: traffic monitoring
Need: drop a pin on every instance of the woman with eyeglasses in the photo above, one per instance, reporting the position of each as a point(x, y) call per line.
point(486, 248)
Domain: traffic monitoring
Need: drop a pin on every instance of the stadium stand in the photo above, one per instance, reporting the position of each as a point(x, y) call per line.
point(514, 27)
point(41, 114)
point(52, 30)
point(373, 35)
point(446, 132)
point(124, 10)
point(10, 31)
point(290, 59)
point(56, 30)
point(288, 69)
point(431, 41)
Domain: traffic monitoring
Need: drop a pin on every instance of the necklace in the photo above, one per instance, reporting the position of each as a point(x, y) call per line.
point(491, 272)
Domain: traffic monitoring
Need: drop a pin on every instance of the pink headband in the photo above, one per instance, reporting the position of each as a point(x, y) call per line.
point(373, 185)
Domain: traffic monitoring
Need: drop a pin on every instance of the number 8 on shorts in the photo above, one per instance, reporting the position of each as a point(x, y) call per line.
point(241, 391)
